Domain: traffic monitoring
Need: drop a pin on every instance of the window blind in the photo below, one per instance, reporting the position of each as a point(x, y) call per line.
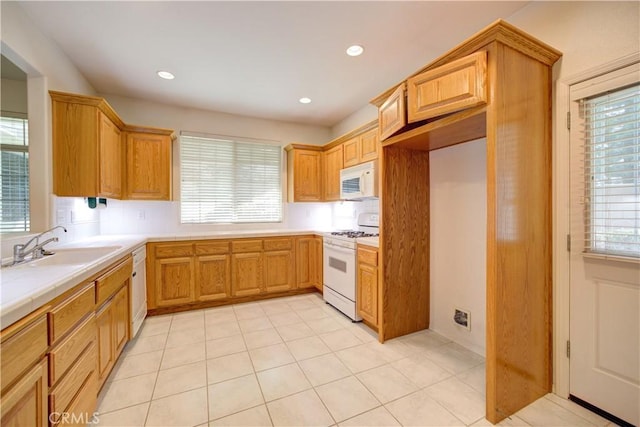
point(611, 136)
point(229, 181)
point(14, 175)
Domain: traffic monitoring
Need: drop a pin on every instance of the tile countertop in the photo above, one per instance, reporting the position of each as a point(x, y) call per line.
point(369, 241)
point(25, 288)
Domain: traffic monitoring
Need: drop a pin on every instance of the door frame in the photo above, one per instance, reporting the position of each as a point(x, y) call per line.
point(561, 216)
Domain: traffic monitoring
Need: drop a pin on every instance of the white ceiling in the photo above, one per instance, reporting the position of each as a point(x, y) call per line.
point(258, 58)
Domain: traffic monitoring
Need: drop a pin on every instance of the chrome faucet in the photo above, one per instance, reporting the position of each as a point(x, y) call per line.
point(21, 251)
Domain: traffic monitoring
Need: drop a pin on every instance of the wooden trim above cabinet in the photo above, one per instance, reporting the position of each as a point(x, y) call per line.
point(92, 101)
point(351, 134)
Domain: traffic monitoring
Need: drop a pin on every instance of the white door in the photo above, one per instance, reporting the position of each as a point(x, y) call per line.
point(605, 244)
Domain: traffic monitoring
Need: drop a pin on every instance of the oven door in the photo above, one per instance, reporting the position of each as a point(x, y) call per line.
point(339, 270)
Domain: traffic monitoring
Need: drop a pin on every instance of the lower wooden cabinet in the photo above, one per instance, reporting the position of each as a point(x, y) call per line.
point(309, 262)
point(112, 324)
point(174, 281)
point(246, 276)
point(25, 403)
point(182, 273)
point(279, 271)
point(54, 361)
point(213, 277)
point(367, 286)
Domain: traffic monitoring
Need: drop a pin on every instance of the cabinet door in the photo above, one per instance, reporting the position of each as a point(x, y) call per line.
point(368, 293)
point(369, 145)
point(451, 87)
point(316, 263)
point(279, 271)
point(120, 320)
point(246, 274)
point(304, 267)
point(213, 277)
point(74, 149)
point(392, 115)
point(307, 176)
point(25, 404)
point(174, 281)
point(106, 340)
point(333, 163)
point(351, 152)
point(148, 167)
point(111, 153)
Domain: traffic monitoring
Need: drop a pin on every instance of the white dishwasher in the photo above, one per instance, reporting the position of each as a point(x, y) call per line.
point(138, 290)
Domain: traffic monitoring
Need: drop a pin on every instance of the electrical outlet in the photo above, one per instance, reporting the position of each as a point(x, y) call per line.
point(142, 214)
point(462, 318)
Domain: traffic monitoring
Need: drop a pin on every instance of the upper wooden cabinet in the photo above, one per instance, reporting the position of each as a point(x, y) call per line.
point(304, 172)
point(333, 162)
point(361, 148)
point(110, 157)
point(351, 152)
point(148, 166)
point(451, 87)
point(392, 114)
point(95, 154)
point(87, 148)
point(369, 145)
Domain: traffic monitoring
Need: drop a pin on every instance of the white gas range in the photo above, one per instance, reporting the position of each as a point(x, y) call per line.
point(339, 264)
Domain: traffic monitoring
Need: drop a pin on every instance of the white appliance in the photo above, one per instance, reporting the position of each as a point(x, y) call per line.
point(339, 264)
point(359, 182)
point(138, 290)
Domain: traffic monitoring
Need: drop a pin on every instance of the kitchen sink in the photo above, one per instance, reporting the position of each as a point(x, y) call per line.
point(73, 256)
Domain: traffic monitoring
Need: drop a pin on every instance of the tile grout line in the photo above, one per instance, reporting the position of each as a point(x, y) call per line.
point(155, 383)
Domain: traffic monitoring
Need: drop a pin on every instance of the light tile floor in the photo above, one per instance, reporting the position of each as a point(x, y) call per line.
point(296, 361)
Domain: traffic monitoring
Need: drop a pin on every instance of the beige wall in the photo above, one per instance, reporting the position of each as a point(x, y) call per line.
point(13, 97)
point(136, 111)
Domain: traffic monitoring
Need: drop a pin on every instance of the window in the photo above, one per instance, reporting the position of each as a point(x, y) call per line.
point(610, 128)
point(14, 175)
point(229, 181)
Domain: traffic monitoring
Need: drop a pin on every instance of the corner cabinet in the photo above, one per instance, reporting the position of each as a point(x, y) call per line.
point(87, 147)
point(495, 85)
point(95, 154)
point(304, 173)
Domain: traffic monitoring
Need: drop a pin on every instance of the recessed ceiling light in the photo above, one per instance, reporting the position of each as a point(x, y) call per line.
point(305, 100)
point(355, 50)
point(166, 75)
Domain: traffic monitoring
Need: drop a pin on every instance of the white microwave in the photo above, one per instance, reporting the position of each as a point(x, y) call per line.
point(359, 182)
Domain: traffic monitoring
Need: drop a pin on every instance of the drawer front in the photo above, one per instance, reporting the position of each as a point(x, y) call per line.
point(109, 283)
point(68, 313)
point(452, 87)
point(367, 256)
point(246, 246)
point(22, 350)
point(392, 115)
point(278, 244)
point(61, 396)
point(64, 354)
point(213, 248)
point(173, 250)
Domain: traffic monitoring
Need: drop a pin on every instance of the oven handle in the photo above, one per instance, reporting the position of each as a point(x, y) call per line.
point(340, 249)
